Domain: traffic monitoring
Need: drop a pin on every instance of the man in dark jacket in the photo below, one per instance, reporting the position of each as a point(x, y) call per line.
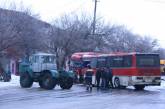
point(110, 77)
point(104, 79)
point(88, 78)
point(98, 77)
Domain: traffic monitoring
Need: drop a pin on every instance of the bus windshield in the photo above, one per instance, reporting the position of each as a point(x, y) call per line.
point(147, 60)
point(76, 64)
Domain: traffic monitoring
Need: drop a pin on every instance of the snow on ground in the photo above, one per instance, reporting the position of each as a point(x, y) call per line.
point(14, 82)
point(14, 97)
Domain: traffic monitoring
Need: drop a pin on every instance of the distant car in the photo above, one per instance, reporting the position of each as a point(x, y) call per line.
point(162, 66)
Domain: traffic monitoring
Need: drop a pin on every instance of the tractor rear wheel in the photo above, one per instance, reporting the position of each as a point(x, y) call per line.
point(66, 82)
point(47, 81)
point(25, 80)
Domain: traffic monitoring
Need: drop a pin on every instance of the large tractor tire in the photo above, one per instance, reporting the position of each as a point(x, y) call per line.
point(139, 87)
point(25, 80)
point(47, 81)
point(66, 82)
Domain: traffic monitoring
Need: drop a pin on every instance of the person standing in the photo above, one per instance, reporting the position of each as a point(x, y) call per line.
point(98, 77)
point(104, 79)
point(110, 77)
point(88, 78)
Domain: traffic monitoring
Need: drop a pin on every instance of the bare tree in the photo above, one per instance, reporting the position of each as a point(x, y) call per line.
point(118, 38)
point(70, 34)
point(8, 33)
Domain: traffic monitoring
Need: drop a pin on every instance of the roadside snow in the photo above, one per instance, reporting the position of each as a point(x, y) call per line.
point(14, 81)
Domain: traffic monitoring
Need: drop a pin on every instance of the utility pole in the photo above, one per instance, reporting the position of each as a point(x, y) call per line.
point(94, 18)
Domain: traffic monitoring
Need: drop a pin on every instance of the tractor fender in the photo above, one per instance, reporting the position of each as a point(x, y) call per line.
point(54, 73)
point(30, 72)
point(71, 74)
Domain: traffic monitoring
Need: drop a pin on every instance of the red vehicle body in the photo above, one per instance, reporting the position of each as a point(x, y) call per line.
point(132, 69)
point(79, 62)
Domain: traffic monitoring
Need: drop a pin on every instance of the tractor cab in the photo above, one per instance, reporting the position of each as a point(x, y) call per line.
point(43, 61)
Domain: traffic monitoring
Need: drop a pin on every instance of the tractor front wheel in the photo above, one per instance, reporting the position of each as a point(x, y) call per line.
point(25, 80)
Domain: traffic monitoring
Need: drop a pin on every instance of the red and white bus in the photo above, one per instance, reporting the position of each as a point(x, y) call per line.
point(131, 69)
point(79, 62)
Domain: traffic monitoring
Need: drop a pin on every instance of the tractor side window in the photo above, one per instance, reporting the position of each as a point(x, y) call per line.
point(35, 59)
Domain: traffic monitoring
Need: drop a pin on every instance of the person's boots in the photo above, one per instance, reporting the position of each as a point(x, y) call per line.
point(87, 88)
point(90, 87)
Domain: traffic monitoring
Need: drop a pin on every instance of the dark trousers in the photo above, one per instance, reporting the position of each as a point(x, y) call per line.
point(88, 81)
point(98, 81)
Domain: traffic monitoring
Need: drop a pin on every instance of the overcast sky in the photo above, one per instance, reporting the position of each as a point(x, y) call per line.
point(145, 17)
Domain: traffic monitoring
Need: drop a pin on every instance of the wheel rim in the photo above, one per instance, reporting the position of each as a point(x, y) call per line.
point(66, 83)
point(46, 81)
point(116, 83)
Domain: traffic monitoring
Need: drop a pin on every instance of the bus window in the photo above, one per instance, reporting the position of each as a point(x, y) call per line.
point(116, 61)
point(86, 62)
point(93, 62)
point(76, 64)
point(127, 61)
point(121, 61)
point(147, 60)
point(101, 62)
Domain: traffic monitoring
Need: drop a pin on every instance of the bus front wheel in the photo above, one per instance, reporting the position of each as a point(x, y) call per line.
point(139, 87)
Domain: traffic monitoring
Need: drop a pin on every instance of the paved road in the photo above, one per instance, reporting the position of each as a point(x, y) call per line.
point(14, 97)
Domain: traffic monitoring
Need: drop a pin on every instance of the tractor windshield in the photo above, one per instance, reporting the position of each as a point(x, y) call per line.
point(48, 59)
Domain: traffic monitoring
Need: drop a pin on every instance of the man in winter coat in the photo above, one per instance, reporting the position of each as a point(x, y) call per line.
point(88, 77)
point(98, 77)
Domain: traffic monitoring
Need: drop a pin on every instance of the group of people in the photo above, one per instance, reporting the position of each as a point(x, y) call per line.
point(103, 78)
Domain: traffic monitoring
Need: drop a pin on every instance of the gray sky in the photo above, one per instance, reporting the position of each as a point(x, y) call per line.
point(145, 17)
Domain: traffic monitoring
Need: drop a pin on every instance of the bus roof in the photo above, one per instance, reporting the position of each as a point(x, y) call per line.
point(80, 55)
point(122, 54)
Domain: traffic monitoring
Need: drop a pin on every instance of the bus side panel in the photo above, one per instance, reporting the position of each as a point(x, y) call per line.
point(136, 71)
